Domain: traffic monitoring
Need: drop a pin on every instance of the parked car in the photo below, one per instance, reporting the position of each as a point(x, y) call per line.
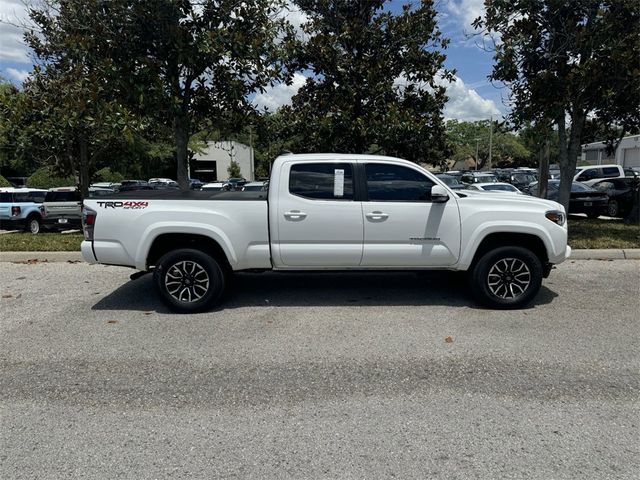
point(621, 192)
point(100, 191)
point(164, 185)
point(195, 184)
point(110, 185)
point(215, 187)
point(255, 186)
point(451, 181)
point(478, 177)
point(236, 183)
point(519, 178)
point(590, 174)
point(20, 208)
point(330, 212)
point(584, 199)
point(132, 185)
point(501, 187)
point(62, 209)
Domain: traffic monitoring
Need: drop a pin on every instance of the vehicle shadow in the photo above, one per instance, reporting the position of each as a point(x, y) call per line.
point(271, 289)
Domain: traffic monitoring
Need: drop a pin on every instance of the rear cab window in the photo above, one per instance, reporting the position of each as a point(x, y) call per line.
point(322, 181)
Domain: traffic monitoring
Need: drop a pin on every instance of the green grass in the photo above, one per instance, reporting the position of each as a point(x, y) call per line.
point(43, 242)
point(583, 233)
point(598, 233)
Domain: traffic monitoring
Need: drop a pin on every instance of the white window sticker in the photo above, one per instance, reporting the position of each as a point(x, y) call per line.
point(338, 183)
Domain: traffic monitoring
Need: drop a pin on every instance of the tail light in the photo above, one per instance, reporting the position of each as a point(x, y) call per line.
point(15, 211)
point(88, 222)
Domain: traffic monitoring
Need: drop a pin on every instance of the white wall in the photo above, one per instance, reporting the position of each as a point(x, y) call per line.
point(222, 153)
point(627, 154)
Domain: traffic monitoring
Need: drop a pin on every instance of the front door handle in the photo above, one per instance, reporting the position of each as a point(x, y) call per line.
point(295, 215)
point(377, 216)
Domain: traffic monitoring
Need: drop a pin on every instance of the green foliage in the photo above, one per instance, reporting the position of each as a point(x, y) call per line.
point(46, 177)
point(234, 170)
point(4, 182)
point(106, 175)
point(375, 80)
point(568, 60)
point(507, 148)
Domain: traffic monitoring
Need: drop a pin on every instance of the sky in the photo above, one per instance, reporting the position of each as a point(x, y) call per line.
point(471, 95)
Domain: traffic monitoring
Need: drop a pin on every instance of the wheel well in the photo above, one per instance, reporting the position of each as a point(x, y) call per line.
point(507, 239)
point(34, 215)
point(172, 241)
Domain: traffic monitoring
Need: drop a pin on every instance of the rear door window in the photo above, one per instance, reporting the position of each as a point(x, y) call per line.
point(6, 197)
point(610, 172)
point(322, 181)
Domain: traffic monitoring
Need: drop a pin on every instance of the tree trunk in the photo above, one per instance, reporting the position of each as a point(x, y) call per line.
point(181, 137)
point(566, 170)
point(543, 179)
point(83, 170)
point(569, 157)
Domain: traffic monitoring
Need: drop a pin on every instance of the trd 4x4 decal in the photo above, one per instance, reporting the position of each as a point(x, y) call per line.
point(125, 205)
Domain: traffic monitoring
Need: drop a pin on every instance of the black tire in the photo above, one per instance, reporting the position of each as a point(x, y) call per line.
point(613, 209)
point(514, 287)
point(180, 278)
point(34, 224)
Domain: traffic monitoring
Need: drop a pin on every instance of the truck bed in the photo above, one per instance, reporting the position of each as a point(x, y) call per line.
point(184, 195)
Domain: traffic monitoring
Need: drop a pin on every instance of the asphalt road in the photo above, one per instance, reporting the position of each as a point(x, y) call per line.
point(318, 376)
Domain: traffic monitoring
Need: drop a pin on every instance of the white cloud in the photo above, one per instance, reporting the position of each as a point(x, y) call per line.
point(17, 75)
point(465, 11)
point(279, 95)
point(12, 16)
point(466, 104)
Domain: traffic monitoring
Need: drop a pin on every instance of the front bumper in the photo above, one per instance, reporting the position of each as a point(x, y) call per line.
point(86, 248)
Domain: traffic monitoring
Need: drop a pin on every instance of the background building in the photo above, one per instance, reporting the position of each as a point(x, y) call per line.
point(213, 163)
point(627, 154)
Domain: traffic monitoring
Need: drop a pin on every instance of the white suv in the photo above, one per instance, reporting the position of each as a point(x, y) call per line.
point(591, 174)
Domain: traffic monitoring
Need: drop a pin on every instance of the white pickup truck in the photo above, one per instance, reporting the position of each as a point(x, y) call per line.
point(329, 212)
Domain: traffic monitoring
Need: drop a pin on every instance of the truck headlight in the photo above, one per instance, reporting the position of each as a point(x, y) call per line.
point(556, 216)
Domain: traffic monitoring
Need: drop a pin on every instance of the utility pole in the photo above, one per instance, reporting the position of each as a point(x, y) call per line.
point(490, 139)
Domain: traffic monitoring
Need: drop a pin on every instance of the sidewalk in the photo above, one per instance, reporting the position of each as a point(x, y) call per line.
point(33, 257)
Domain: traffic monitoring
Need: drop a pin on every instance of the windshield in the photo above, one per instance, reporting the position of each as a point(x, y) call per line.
point(524, 177)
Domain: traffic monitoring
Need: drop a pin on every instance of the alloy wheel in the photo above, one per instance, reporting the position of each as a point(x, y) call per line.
point(509, 278)
point(187, 281)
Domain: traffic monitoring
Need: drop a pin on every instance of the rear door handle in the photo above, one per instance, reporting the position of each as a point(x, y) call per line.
point(295, 215)
point(377, 215)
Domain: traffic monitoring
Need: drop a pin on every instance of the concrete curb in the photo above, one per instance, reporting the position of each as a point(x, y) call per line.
point(609, 254)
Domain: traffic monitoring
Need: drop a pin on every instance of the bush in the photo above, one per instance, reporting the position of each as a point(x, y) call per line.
point(45, 178)
point(106, 175)
point(4, 182)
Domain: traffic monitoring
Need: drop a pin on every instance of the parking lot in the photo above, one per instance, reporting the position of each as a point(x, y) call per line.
point(318, 376)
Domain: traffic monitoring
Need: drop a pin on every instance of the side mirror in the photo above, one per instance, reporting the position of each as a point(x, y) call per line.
point(439, 194)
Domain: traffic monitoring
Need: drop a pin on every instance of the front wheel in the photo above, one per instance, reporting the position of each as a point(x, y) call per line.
point(612, 208)
point(189, 280)
point(506, 277)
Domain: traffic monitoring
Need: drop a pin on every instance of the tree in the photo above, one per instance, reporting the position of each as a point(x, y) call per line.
point(234, 170)
point(376, 83)
point(466, 138)
point(196, 63)
point(564, 61)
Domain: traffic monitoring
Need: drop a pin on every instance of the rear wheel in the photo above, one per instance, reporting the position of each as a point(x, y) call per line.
point(34, 224)
point(506, 277)
point(613, 208)
point(189, 280)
